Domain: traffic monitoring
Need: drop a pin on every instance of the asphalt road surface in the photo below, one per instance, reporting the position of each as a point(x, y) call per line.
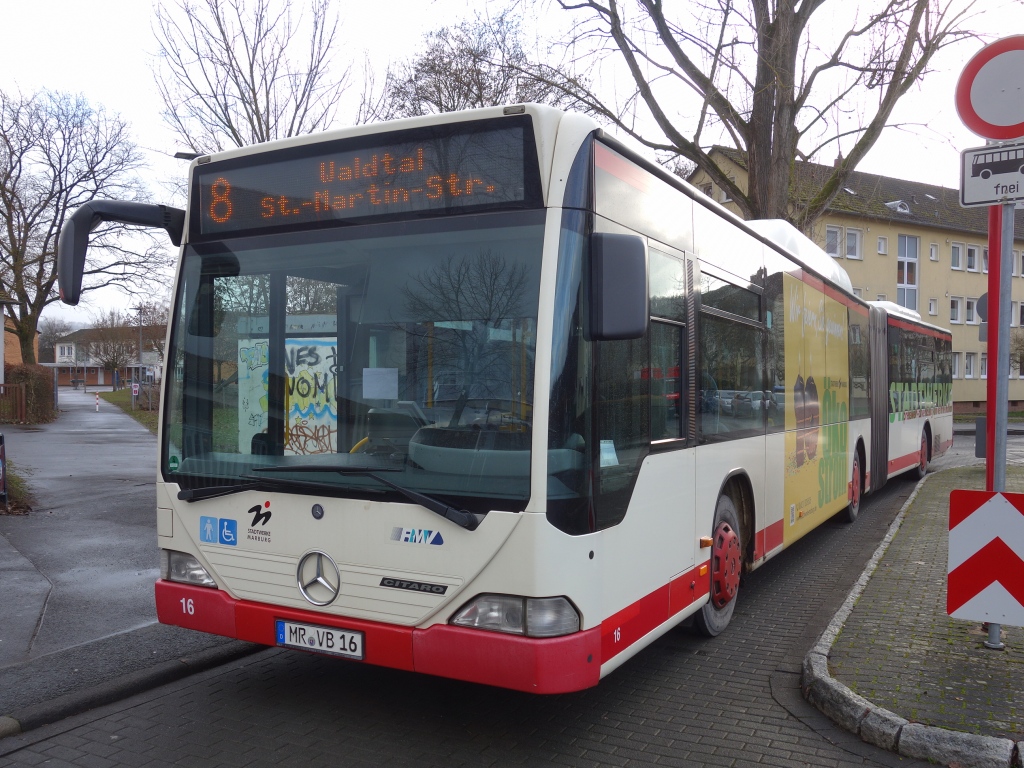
point(684, 701)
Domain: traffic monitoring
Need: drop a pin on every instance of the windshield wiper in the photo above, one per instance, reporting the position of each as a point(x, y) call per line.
point(460, 517)
point(255, 483)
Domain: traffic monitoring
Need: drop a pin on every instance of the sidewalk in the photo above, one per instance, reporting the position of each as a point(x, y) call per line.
point(901, 673)
point(76, 603)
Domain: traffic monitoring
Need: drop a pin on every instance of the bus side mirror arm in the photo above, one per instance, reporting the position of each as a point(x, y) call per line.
point(74, 236)
point(619, 299)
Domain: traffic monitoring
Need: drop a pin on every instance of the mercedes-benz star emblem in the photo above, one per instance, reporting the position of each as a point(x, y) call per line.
point(318, 578)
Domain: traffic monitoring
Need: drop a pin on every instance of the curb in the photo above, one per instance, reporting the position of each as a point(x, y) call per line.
point(122, 687)
point(879, 726)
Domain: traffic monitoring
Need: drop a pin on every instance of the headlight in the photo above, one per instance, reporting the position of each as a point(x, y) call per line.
point(530, 616)
point(179, 566)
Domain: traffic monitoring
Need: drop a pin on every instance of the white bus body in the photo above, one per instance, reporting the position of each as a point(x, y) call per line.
point(589, 495)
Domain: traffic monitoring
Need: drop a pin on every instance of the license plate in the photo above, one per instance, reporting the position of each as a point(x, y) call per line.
point(309, 637)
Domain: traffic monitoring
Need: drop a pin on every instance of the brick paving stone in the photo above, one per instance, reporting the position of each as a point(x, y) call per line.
point(901, 651)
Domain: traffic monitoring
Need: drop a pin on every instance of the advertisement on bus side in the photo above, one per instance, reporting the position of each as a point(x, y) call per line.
point(817, 404)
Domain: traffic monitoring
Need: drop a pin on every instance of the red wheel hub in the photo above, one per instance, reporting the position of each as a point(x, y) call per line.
point(726, 564)
point(924, 453)
point(855, 491)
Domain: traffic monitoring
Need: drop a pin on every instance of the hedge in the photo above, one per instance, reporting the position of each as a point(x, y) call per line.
point(38, 381)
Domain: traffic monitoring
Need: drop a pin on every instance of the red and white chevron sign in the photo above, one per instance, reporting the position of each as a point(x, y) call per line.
point(985, 576)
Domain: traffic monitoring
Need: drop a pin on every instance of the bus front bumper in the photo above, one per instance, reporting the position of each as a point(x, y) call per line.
point(549, 665)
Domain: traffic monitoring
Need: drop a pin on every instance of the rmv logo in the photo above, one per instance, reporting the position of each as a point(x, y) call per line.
point(416, 536)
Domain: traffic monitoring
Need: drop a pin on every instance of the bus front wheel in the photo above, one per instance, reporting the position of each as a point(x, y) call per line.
point(726, 569)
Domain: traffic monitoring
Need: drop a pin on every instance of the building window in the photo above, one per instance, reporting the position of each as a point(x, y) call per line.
point(883, 246)
point(969, 365)
point(832, 236)
point(882, 297)
point(933, 306)
point(970, 316)
point(1013, 314)
point(956, 365)
point(725, 194)
point(858, 292)
point(956, 255)
point(933, 251)
point(1020, 318)
point(984, 365)
point(853, 240)
point(906, 271)
point(984, 260)
point(955, 313)
point(972, 258)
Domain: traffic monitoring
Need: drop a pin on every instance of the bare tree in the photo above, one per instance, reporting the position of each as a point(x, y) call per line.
point(768, 82)
point(56, 153)
point(113, 341)
point(1016, 351)
point(477, 63)
point(51, 330)
point(233, 73)
point(152, 319)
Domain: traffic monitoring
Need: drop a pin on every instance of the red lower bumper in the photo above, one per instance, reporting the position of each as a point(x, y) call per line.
point(554, 665)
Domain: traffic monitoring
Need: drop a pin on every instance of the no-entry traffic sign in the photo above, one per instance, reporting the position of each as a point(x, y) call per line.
point(990, 92)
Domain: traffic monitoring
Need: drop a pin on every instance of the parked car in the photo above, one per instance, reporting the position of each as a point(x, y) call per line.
point(741, 405)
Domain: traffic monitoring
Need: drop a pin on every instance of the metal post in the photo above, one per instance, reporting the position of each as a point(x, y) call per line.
point(1002, 374)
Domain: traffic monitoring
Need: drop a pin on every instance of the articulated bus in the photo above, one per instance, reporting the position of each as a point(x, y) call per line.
point(487, 395)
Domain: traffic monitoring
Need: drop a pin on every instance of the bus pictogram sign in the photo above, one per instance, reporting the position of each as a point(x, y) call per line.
point(985, 574)
point(992, 175)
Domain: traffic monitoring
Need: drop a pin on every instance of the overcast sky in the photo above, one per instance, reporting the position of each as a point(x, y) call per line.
point(104, 49)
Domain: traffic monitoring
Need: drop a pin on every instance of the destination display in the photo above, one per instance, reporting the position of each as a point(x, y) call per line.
point(329, 183)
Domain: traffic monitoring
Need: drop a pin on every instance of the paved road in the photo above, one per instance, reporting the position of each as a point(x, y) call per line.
point(76, 607)
point(732, 700)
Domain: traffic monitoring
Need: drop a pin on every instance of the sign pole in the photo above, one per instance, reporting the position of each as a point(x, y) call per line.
point(995, 253)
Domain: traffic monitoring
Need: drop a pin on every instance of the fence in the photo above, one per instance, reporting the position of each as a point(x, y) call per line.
point(12, 403)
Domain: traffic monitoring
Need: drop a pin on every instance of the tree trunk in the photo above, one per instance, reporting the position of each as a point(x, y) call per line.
point(25, 330)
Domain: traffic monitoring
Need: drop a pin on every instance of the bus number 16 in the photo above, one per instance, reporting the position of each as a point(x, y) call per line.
point(188, 607)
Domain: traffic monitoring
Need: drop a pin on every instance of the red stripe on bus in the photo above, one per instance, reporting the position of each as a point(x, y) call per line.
point(895, 465)
point(536, 665)
point(686, 589)
point(773, 536)
point(609, 161)
point(908, 326)
point(624, 628)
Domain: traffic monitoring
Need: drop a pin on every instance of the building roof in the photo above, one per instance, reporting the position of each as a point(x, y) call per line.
point(889, 199)
point(86, 335)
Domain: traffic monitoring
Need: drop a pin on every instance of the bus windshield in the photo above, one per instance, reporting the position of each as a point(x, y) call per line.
point(406, 347)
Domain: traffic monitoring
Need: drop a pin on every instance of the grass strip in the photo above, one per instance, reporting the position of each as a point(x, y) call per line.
point(122, 398)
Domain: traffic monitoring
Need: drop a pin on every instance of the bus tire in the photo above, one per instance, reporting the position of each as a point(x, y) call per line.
point(726, 569)
point(856, 490)
point(921, 469)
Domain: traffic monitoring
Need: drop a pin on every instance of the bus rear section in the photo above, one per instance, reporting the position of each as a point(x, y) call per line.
point(913, 399)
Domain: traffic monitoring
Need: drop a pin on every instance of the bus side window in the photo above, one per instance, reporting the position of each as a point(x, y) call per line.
point(668, 395)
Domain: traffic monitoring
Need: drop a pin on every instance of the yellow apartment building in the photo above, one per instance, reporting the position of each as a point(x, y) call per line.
point(912, 244)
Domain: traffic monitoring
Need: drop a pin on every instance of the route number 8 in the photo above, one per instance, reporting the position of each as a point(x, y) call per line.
point(220, 206)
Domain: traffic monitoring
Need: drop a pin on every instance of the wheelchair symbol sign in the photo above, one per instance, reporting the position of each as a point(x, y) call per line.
point(218, 531)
